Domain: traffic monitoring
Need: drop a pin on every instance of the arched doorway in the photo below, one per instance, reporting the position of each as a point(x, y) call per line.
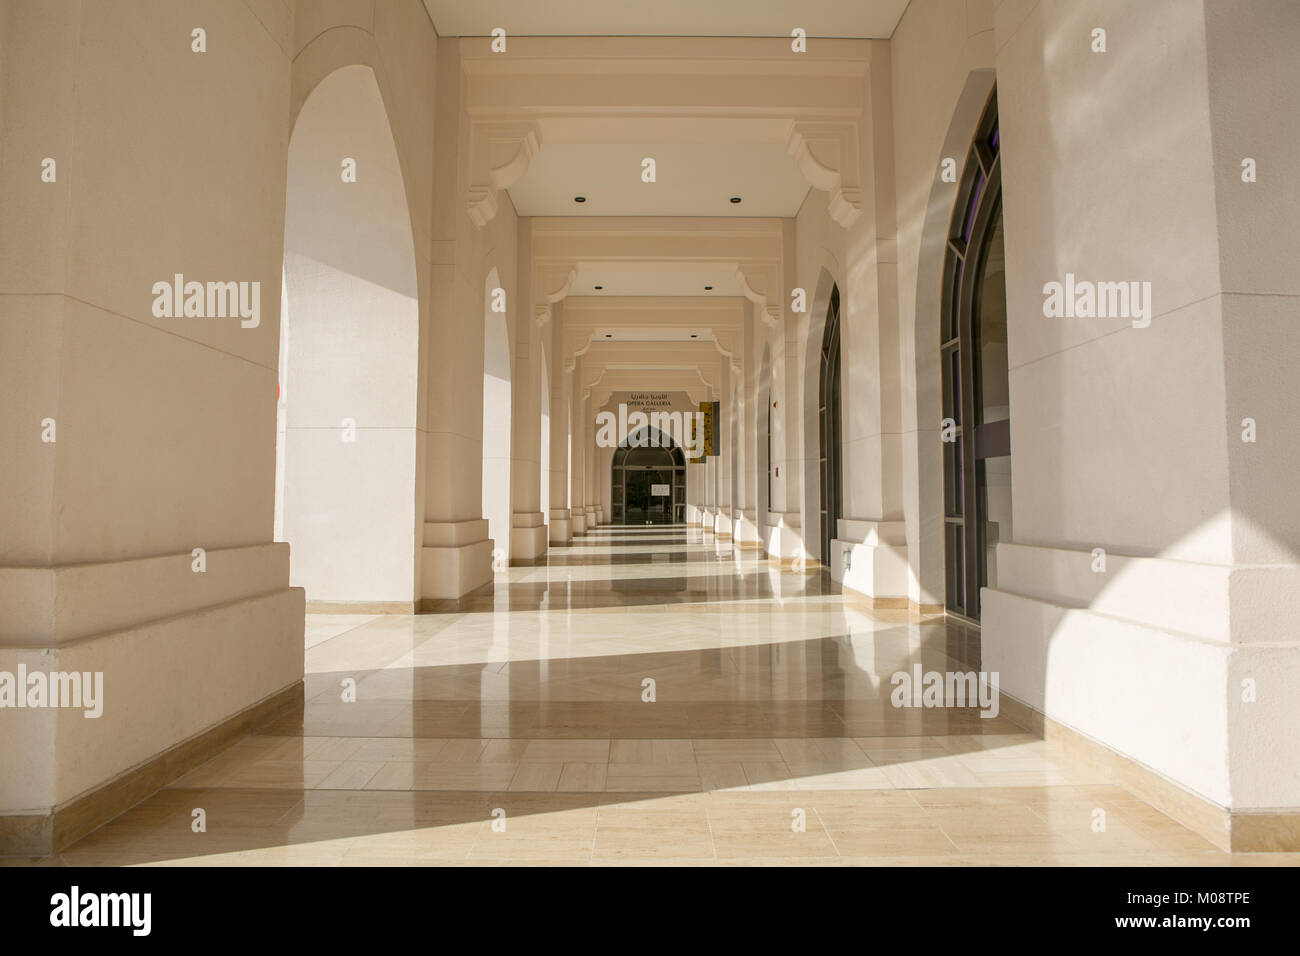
point(496, 420)
point(973, 356)
point(648, 480)
point(544, 437)
point(349, 352)
point(830, 422)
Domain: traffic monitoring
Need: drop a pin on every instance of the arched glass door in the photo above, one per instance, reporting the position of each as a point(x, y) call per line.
point(648, 483)
point(832, 488)
point(973, 354)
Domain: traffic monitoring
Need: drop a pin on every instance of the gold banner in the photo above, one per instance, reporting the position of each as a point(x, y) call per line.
point(710, 412)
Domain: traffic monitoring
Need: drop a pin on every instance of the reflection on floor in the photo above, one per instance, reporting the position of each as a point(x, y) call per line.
point(525, 729)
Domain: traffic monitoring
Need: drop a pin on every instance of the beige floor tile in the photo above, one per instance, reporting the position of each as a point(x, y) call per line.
point(543, 777)
point(566, 751)
point(463, 776)
point(929, 773)
point(582, 777)
point(351, 775)
point(723, 775)
point(768, 834)
point(651, 751)
point(504, 750)
point(652, 777)
point(651, 842)
point(757, 750)
point(385, 749)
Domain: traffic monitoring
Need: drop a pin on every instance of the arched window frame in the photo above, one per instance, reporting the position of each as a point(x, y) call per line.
point(831, 427)
point(976, 212)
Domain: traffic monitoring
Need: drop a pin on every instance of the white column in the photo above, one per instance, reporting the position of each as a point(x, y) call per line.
point(561, 531)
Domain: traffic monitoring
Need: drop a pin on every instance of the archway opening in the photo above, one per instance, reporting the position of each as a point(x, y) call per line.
point(830, 422)
point(544, 456)
point(973, 356)
point(648, 480)
point(349, 348)
point(496, 420)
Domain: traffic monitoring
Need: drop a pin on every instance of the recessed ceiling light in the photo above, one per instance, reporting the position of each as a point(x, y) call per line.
point(735, 200)
point(584, 199)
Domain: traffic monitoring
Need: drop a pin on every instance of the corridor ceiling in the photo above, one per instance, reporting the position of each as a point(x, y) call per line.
point(692, 179)
point(868, 19)
point(649, 281)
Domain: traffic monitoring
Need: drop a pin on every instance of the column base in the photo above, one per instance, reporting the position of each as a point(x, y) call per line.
point(1144, 657)
point(783, 544)
point(560, 530)
point(527, 537)
point(455, 560)
point(745, 532)
point(870, 558)
point(200, 668)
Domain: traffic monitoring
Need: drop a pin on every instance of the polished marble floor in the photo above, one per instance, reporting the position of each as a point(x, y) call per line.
point(648, 696)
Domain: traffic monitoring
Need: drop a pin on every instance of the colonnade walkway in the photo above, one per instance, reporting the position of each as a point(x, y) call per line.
point(649, 695)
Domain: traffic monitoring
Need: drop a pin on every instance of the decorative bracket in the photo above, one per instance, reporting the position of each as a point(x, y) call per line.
point(551, 283)
point(827, 155)
point(499, 157)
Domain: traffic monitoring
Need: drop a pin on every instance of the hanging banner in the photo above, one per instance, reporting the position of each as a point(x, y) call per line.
point(712, 441)
point(710, 412)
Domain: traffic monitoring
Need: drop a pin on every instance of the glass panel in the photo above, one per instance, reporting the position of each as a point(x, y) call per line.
point(953, 411)
point(993, 477)
point(974, 200)
point(655, 457)
point(952, 487)
point(952, 271)
point(659, 506)
point(955, 567)
point(992, 402)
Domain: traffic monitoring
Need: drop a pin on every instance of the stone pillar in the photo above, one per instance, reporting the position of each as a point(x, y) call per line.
point(752, 417)
point(579, 427)
point(722, 517)
point(137, 449)
point(456, 557)
point(1147, 595)
point(528, 523)
point(561, 384)
point(868, 547)
point(589, 458)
